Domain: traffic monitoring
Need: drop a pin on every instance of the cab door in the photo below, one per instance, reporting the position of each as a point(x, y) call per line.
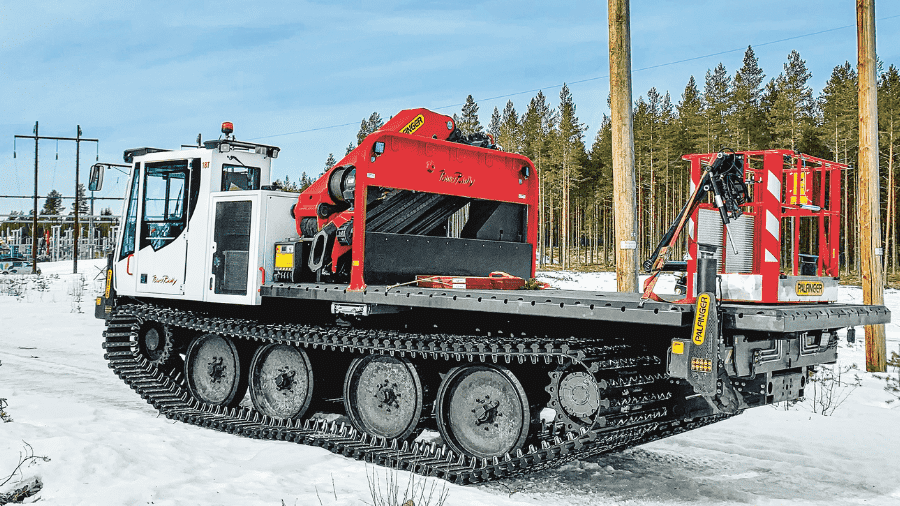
point(162, 235)
point(234, 247)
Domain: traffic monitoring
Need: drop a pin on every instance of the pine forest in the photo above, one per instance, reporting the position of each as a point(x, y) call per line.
point(741, 111)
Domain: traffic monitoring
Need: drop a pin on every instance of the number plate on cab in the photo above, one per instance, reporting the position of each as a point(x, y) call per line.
point(810, 288)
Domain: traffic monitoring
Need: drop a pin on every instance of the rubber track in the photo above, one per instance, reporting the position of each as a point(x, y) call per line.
point(167, 394)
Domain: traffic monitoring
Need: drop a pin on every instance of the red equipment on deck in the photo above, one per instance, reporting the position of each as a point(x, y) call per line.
point(791, 196)
point(385, 212)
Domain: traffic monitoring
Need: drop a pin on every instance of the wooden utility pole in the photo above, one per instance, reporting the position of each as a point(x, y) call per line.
point(622, 145)
point(871, 249)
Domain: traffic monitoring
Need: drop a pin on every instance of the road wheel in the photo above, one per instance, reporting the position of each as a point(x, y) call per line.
point(383, 396)
point(281, 381)
point(482, 411)
point(215, 371)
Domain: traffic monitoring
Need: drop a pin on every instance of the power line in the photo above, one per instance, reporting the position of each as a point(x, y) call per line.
point(302, 131)
point(651, 67)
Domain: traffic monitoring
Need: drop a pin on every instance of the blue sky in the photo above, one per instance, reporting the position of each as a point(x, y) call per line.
point(301, 75)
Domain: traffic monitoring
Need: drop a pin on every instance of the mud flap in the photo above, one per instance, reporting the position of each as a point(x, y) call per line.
point(697, 361)
point(106, 301)
point(702, 353)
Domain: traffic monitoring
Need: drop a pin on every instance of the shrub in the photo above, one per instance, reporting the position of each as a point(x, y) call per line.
point(892, 383)
point(388, 490)
point(830, 386)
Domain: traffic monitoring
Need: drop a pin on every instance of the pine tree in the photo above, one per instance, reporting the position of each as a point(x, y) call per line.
point(363, 131)
point(305, 182)
point(509, 136)
point(53, 203)
point(643, 138)
point(375, 122)
point(568, 156)
point(659, 134)
point(468, 121)
point(746, 91)
point(669, 158)
point(793, 106)
point(716, 102)
point(538, 124)
point(649, 127)
point(494, 127)
point(889, 144)
point(287, 185)
point(839, 110)
point(350, 147)
point(83, 204)
point(599, 172)
point(690, 120)
point(329, 163)
point(368, 126)
point(840, 127)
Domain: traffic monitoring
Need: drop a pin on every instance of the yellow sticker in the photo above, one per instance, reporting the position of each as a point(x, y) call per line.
point(99, 301)
point(356, 263)
point(701, 316)
point(678, 347)
point(108, 283)
point(413, 125)
point(284, 260)
point(810, 288)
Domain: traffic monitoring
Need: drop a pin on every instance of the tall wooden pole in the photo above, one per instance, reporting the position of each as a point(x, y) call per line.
point(871, 249)
point(622, 145)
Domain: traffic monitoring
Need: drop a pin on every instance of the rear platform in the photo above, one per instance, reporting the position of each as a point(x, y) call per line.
point(589, 305)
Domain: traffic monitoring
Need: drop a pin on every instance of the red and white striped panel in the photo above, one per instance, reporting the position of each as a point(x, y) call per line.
point(770, 235)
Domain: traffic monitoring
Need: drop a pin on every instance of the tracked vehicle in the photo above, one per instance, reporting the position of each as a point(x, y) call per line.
point(363, 310)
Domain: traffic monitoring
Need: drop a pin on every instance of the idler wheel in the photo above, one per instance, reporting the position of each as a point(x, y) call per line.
point(383, 396)
point(214, 371)
point(155, 343)
point(482, 411)
point(281, 381)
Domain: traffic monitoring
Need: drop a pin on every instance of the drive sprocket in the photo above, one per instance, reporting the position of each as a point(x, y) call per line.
point(157, 344)
point(577, 397)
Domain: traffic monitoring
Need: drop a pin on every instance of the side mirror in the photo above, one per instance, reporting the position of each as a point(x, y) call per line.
point(96, 181)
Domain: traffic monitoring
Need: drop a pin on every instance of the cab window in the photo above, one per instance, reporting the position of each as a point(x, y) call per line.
point(239, 177)
point(128, 230)
point(165, 202)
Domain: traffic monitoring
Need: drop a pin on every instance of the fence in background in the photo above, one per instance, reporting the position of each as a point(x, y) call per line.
point(55, 236)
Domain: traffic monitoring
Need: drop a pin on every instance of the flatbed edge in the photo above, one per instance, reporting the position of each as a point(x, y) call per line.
point(589, 305)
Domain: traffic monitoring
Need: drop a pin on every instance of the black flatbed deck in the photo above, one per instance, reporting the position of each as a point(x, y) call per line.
point(590, 305)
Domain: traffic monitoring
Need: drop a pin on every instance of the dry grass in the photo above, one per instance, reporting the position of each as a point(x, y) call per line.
point(26, 488)
point(387, 489)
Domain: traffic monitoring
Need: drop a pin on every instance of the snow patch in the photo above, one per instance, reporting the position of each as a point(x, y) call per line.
point(108, 447)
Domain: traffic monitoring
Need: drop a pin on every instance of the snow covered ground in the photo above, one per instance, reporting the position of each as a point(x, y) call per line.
point(107, 447)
